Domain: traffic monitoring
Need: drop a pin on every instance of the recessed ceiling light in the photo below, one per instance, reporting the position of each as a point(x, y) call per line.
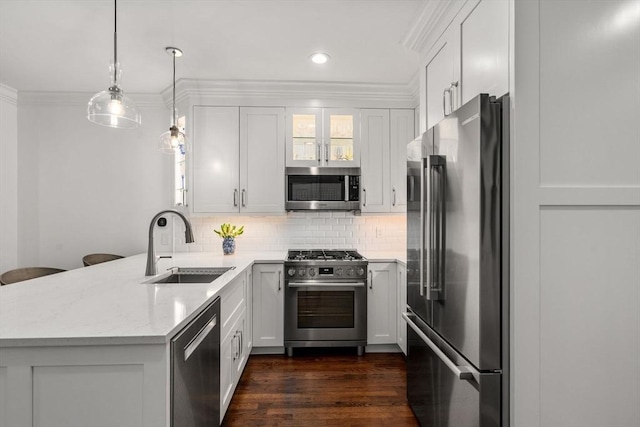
point(319, 58)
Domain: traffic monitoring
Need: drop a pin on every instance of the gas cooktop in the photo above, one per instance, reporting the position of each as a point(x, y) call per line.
point(324, 255)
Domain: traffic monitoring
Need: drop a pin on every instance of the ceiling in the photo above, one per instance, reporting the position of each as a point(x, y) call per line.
point(67, 45)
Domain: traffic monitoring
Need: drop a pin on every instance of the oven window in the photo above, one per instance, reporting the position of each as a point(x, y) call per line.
point(326, 309)
point(322, 188)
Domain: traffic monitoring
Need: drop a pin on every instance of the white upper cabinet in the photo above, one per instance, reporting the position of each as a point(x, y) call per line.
point(216, 159)
point(484, 38)
point(402, 129)
point(442, 77)
point(262, 137)
point(323, 137)
point(469, 58)
point(238, 159)
point(374, 181)
point(385, 135)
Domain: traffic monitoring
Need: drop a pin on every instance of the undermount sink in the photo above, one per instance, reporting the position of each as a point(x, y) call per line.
point(190, 275)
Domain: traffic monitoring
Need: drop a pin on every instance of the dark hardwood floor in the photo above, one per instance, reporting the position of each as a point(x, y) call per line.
point(322, 387)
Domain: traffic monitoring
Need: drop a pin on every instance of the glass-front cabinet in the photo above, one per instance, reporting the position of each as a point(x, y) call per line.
point(323, 137)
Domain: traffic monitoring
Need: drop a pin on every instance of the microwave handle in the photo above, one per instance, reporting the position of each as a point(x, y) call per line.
point(347, 188)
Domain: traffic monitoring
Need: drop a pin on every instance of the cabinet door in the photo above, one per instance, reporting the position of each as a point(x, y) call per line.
point(442, 70)
point(228, 349)
point(484, 32)
point(268, 305)
point(402, 130)
point(243, 351)
point(215, 159)
point(374, 182)
point(402, 307)
point(382, 304)
point(304, 137)
point(249, 307)
point(341, 137)
point(262, 136)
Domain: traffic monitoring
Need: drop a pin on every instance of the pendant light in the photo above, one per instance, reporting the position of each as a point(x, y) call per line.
point(174, 138)
point(110, 107)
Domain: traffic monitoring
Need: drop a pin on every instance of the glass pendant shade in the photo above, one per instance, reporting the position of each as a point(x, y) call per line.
point(173, 141)
point(111, 107)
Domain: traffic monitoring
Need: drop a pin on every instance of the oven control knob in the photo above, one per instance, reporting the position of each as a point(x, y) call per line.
point(312, 272)
point(301, 272)
point(338, 271)
point(292, 272)
point(361, 271)
point(349, 271)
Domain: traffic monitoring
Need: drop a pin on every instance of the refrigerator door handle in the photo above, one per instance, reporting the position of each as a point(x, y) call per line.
point(434, 226)
point(462, 372)
point(411, 185)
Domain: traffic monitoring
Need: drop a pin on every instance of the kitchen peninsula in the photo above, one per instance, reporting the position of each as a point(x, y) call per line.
point(91, 346)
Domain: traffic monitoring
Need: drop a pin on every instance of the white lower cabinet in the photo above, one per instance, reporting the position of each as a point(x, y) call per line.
point(233, 358)
point(268, 305)
point(235, 338)
point(85, 385)
point(382, 303)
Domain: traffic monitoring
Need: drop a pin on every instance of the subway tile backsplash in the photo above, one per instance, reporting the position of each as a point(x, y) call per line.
point(301, 230)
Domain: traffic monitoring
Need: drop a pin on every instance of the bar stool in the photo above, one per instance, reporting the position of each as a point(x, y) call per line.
point(20, 274)
point(93, 259)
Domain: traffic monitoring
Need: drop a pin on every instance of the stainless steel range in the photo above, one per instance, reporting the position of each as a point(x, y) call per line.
point(325, 299)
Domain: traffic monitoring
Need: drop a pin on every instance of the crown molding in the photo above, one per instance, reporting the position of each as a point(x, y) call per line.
point(254, 92)
point(430, 23)
point(8, 94)
point(29, 98)
point(251, 92)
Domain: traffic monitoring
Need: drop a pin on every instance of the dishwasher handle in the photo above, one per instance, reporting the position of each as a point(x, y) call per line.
point(200, 336)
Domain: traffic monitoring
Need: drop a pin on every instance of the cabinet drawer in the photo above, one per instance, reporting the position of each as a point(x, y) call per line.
point(233, 301)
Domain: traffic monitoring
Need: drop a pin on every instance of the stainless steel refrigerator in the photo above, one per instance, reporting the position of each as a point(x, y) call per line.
point(457, 268)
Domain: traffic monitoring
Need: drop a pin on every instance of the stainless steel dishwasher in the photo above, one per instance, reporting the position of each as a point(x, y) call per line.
point(195, 371)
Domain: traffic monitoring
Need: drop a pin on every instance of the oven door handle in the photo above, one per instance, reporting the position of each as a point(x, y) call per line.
point(323, 284)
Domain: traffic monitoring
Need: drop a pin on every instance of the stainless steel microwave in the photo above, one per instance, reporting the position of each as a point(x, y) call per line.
point(316, 188)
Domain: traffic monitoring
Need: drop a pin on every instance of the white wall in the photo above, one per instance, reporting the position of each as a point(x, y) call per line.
point(8, 178)
point(576, 214)
point(85, 188)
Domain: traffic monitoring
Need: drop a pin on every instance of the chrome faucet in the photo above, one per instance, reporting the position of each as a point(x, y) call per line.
point(151, 252)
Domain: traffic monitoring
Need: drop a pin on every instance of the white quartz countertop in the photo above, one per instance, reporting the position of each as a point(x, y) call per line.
point(109, 304)
point(385, 256)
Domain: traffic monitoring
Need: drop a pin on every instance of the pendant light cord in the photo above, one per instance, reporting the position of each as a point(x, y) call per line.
point(174, 88)
point(115, 42)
